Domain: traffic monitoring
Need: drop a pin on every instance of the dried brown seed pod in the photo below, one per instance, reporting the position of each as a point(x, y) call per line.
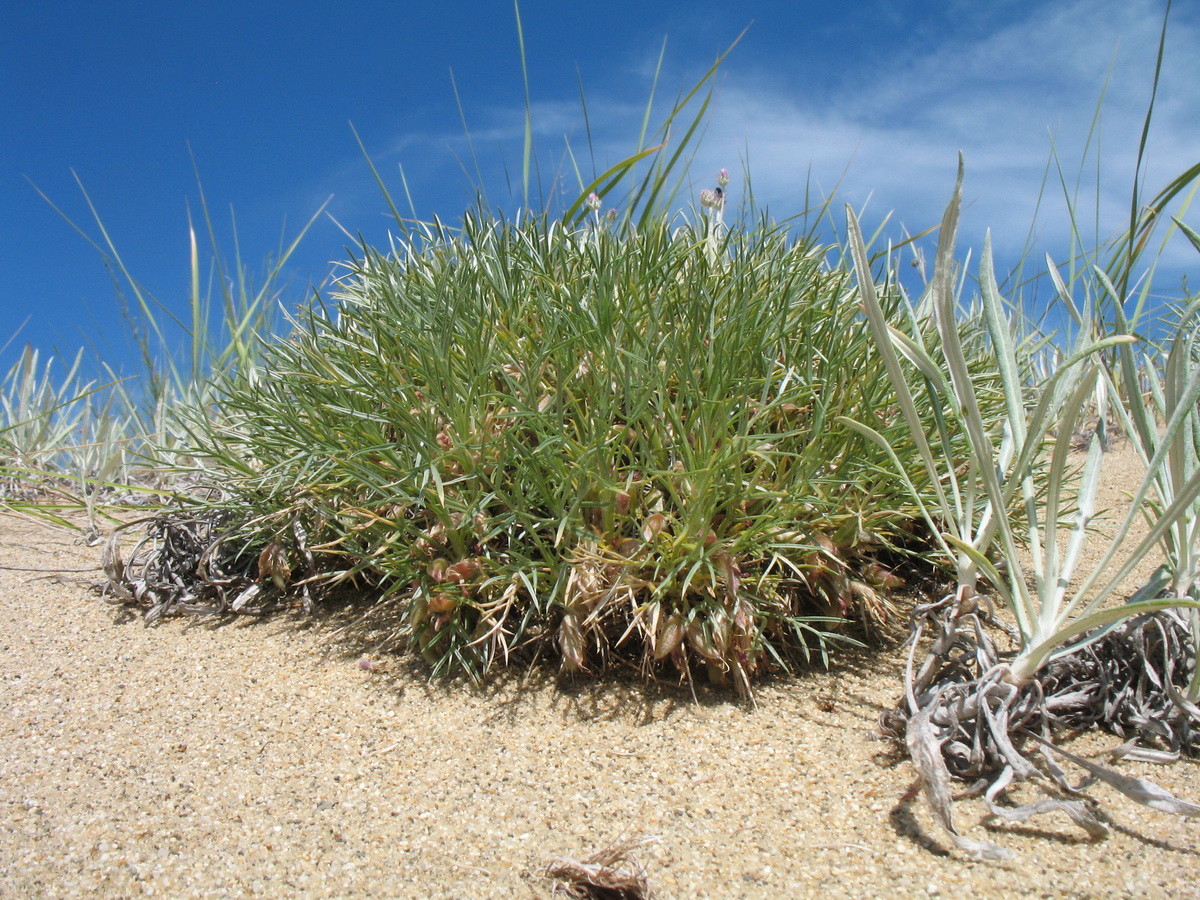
point(273, 564)
point(701, 640)
point(621, 502)
point(570, 641)
point(653, 526)
point(670, 635)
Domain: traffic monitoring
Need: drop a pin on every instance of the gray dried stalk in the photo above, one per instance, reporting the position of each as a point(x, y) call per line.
point(960, 721)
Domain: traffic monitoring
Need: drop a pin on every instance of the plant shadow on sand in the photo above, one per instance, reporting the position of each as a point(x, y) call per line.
point(370, 637)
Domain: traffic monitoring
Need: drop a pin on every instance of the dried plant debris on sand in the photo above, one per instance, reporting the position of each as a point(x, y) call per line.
point(961, 720)
point(186, 563)
point(612, 873)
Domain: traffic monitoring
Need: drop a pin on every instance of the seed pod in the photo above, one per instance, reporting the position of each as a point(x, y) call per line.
point(418, 612)
point(722, 631)
point(716, 672)
point(437, 569)
point(621, 503)
point(730, 570)
point(273, 564)
point(743, 628)
point(831, 555)
point(464, 570)
point(570, 641)
point(653, 526)
point(670, 635)
point(701, 640)
point(870, 604)
point(881, 576)
point(442, 602)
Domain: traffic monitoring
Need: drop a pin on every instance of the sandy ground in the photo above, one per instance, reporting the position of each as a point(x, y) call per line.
point(187, 760)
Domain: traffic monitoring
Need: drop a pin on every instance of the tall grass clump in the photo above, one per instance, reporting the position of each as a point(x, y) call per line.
point(598, 443)
point(100, 444)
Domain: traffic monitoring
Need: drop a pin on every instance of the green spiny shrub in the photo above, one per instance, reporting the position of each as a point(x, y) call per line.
point(603, 442)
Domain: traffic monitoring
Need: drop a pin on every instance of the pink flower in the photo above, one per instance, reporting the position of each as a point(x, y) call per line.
point(593, 201)
point(723, 178)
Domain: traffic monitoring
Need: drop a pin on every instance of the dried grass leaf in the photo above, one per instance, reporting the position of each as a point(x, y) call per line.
point(114, 567)
point(926, 752)
point(1081, 813)
point(1139, 790)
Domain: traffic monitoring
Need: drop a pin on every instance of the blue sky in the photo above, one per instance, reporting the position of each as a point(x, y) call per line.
point(879, 94)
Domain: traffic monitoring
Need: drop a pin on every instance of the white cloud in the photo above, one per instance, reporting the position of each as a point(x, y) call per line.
point(891, 129)
point(1001, 100)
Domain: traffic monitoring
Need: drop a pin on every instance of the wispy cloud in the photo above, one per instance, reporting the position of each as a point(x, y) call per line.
point(1006, 100)
point(890, 128)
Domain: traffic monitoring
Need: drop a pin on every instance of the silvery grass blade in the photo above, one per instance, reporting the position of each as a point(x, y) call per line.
point(997, 471)
point(1174, 397)
point(39, 412)
point(885, 342)
point(1173, 454)
point(1049, 618)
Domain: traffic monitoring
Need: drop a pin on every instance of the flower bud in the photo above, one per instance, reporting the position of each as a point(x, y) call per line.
point(442, 602)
